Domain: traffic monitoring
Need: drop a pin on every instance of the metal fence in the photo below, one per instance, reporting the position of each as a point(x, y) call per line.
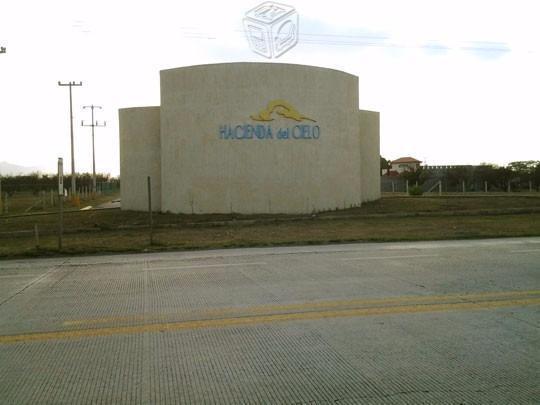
point(394, 184)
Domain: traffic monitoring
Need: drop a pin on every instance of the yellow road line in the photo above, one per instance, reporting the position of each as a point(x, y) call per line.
point(203, 266)
point(260, 319)
point(311, 306)
point(347, 259)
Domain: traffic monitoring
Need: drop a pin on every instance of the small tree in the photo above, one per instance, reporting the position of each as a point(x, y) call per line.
point(504, 176)
point(524, 171)
point(414, 176)
point(536, 175)
point(385, 165)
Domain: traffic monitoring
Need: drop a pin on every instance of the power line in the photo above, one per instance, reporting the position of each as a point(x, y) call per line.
point(93, 125)
point(369, 40)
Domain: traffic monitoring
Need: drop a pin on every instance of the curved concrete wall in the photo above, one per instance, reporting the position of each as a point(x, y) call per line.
point(370, 149)
point(140, 156)
point(212, 157)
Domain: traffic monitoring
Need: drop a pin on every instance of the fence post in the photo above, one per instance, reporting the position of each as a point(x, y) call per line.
point(440, 187)
point(149, 181)
point(36, 236)
point(463, 184)
point(485, 187)
point(530, 186)
point(407, 186)
point(393, 188)
point(6, 203)
point(508, 188)
point(60, 202)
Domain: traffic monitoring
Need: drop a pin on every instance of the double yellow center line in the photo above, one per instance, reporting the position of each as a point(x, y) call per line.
point(228, 317)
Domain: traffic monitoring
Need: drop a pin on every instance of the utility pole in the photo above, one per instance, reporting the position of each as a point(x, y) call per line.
point(93, 124)
point(73, 182)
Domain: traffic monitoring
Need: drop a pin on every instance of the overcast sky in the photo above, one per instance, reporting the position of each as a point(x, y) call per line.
point(456, 82)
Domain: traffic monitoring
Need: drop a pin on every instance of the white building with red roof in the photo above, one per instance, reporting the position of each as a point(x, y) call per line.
point(405, 164)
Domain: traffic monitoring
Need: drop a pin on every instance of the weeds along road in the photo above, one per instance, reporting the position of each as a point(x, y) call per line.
point(418, 322)
point(396, 218)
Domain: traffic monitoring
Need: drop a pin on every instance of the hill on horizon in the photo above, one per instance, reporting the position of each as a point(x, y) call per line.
point(10, 169)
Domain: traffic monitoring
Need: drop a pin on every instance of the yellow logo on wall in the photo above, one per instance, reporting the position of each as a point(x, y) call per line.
point(280, 107)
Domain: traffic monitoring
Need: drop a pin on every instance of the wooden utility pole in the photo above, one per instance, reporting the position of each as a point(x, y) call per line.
point(73, 181)
point(93, 125)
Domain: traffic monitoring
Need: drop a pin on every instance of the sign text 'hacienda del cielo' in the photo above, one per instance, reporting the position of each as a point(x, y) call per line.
point(264, 131)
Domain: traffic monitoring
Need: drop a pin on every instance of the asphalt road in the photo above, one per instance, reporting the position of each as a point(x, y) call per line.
point(428, 322)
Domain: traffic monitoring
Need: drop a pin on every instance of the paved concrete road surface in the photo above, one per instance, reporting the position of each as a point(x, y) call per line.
point(429, 322)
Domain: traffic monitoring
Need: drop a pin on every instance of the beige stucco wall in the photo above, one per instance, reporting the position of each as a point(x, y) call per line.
point(370, 147)
point(205, 174)
point(140, 154)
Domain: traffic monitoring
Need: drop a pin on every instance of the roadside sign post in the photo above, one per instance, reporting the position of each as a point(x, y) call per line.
point(60, 201)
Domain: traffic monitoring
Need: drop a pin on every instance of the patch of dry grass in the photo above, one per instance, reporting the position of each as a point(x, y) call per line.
point(99, 231)
point(27, 202)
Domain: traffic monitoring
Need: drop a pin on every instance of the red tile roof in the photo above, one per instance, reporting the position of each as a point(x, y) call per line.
point(407, 159)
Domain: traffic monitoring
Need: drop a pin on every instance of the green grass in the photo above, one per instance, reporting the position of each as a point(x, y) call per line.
point(27, 202)
point(389, 219)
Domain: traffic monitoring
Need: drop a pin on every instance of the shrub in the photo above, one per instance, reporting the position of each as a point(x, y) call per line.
point(416, 190)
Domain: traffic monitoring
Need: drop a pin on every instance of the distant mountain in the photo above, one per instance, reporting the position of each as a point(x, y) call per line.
point(9, 169)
